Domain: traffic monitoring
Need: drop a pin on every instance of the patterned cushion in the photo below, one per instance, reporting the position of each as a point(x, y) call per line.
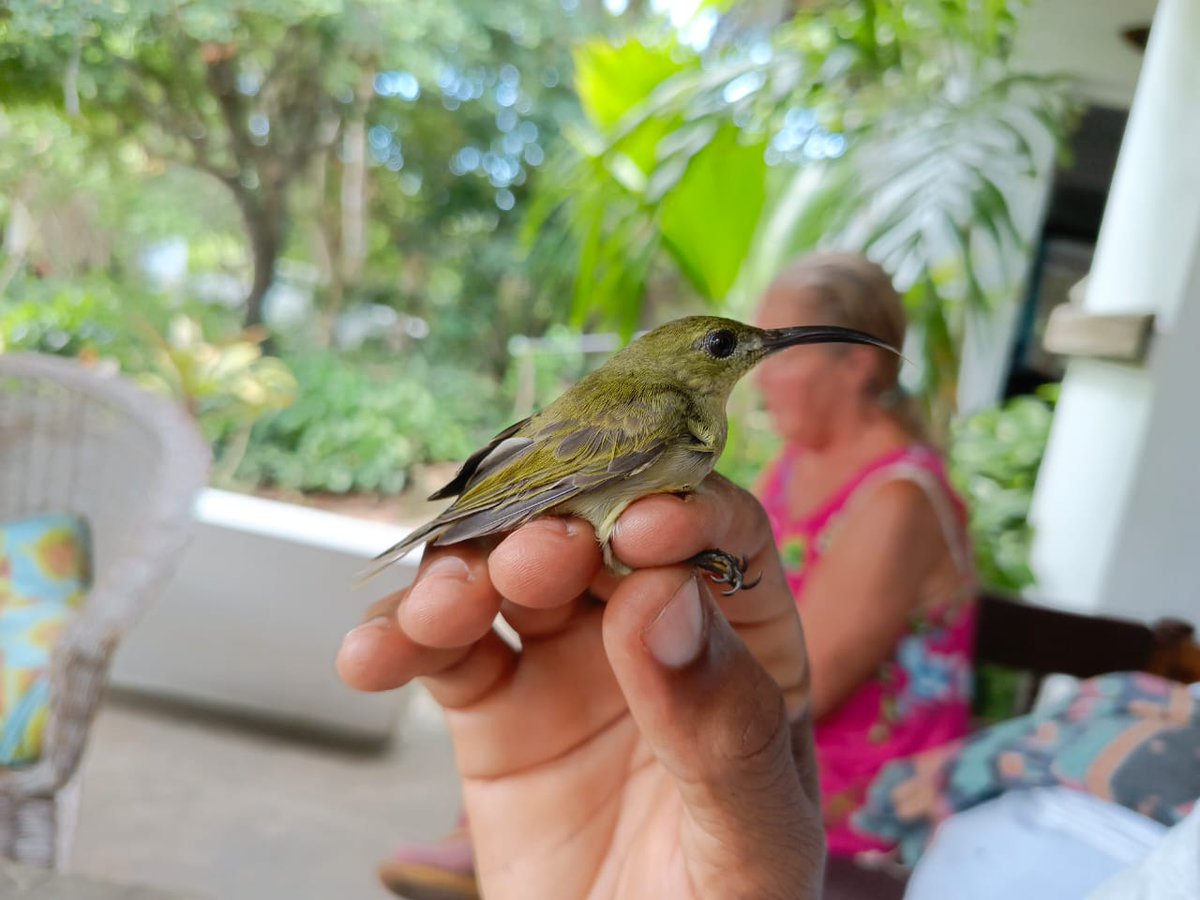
point(44, 560)
point(44, 573)
point(1130, 738)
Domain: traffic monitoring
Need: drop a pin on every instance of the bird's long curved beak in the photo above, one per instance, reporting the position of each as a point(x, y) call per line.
point(778, 338)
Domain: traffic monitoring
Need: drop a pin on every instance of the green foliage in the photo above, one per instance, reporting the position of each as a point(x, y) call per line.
point(98, 316)
point(39, 142)
point(460, 101)
point(612, 78)
point(896, 128)
point(994, 460)
point(452, 169)
point(227, 386)
point(996, 692)
point(541, 369)
point(362, 427)
point(76, 318)
point(137, 111)
point(723, 183)
point(752, 444)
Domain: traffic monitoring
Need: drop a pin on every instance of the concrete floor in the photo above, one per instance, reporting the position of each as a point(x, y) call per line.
point(195, 802)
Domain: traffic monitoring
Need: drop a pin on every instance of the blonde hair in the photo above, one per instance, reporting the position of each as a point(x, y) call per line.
point(850, 290)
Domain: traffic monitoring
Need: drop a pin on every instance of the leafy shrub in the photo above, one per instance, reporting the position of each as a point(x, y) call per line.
point(994, 460)
point(84, 317)
point(227, 385)
point(362, 427)
point(95, 316)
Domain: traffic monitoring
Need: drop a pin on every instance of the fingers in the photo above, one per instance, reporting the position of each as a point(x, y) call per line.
point(452, 602)
point(665, 529)
point(431, 626)
point(546, 563)
point(425, 629)
point(717, 514)
point(716, 720)
point(378, 656)
point(562, 697)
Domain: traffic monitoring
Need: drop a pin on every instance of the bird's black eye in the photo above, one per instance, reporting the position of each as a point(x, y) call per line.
point(720, 343)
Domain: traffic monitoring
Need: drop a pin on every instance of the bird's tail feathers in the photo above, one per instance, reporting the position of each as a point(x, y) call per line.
point(398, 551)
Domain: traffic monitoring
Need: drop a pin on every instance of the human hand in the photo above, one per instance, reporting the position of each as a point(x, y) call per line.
point(653, 745)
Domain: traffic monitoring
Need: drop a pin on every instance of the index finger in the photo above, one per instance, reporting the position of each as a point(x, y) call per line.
point(665, 529)
point(427, 628)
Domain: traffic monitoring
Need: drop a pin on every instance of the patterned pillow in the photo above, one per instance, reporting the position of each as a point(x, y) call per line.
point(44, 573)
point(1130, 738)
point(45, 559)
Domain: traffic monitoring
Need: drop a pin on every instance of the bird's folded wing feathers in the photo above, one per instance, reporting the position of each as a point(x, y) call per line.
point(559, 461)
point(532, 467)
point(484, 460)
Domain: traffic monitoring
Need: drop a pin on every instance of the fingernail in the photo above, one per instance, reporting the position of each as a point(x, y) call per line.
point(558, 524)
point(677, 635)
point(448, 567)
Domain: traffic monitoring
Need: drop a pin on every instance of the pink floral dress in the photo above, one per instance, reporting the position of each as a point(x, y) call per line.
point(921, 696)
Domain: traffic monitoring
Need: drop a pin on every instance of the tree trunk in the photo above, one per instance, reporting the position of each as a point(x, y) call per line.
point(354, 184)
point(265, 225)
point(326, 243)
point(264, 246)
point(346, 239)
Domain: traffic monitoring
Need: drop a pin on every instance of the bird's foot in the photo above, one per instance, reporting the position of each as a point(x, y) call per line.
point(724, 568)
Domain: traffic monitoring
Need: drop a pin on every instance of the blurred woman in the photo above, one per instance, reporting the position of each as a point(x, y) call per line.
point(871, 534)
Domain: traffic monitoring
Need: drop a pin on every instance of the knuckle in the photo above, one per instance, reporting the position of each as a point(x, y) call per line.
point(760, 731)
point(764, 733)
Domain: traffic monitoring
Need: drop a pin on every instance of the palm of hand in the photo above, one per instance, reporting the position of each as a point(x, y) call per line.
point(563, 759)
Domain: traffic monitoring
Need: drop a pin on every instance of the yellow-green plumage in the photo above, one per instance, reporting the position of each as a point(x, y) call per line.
point(650, 420)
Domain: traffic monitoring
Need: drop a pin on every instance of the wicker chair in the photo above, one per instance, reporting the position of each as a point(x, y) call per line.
point(75, 440)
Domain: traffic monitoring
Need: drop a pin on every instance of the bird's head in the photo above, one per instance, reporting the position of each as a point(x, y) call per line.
point(709, 354)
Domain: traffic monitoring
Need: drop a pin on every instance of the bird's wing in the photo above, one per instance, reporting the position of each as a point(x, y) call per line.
point(609, 438)
point(501, 449)
point(530, 491)
point(546, 460)
point(484, 460)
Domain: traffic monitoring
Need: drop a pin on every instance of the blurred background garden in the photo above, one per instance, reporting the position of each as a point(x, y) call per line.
point(358, 238)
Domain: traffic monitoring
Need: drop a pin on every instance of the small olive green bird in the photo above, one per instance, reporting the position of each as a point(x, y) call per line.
point(650, 420)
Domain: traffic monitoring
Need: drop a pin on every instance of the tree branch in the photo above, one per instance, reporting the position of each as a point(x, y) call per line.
point(71, 75)
point(221, 78)
point(167, 117)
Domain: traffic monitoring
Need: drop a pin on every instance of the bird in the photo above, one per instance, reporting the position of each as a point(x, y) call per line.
point(649, 420)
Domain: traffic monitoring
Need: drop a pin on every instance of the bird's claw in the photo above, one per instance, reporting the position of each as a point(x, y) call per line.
point(725, 568)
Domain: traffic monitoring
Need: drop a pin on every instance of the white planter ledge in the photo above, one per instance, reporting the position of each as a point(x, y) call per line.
point(254, 615)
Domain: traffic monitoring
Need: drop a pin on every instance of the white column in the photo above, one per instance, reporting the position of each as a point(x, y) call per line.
point(1117, 506)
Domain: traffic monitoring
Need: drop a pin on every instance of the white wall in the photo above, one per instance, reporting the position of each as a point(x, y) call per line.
point(1083, 37)
point(1114, 510)
point(254, 615)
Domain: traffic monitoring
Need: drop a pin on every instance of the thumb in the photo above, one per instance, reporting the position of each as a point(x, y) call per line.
point(715, 719)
